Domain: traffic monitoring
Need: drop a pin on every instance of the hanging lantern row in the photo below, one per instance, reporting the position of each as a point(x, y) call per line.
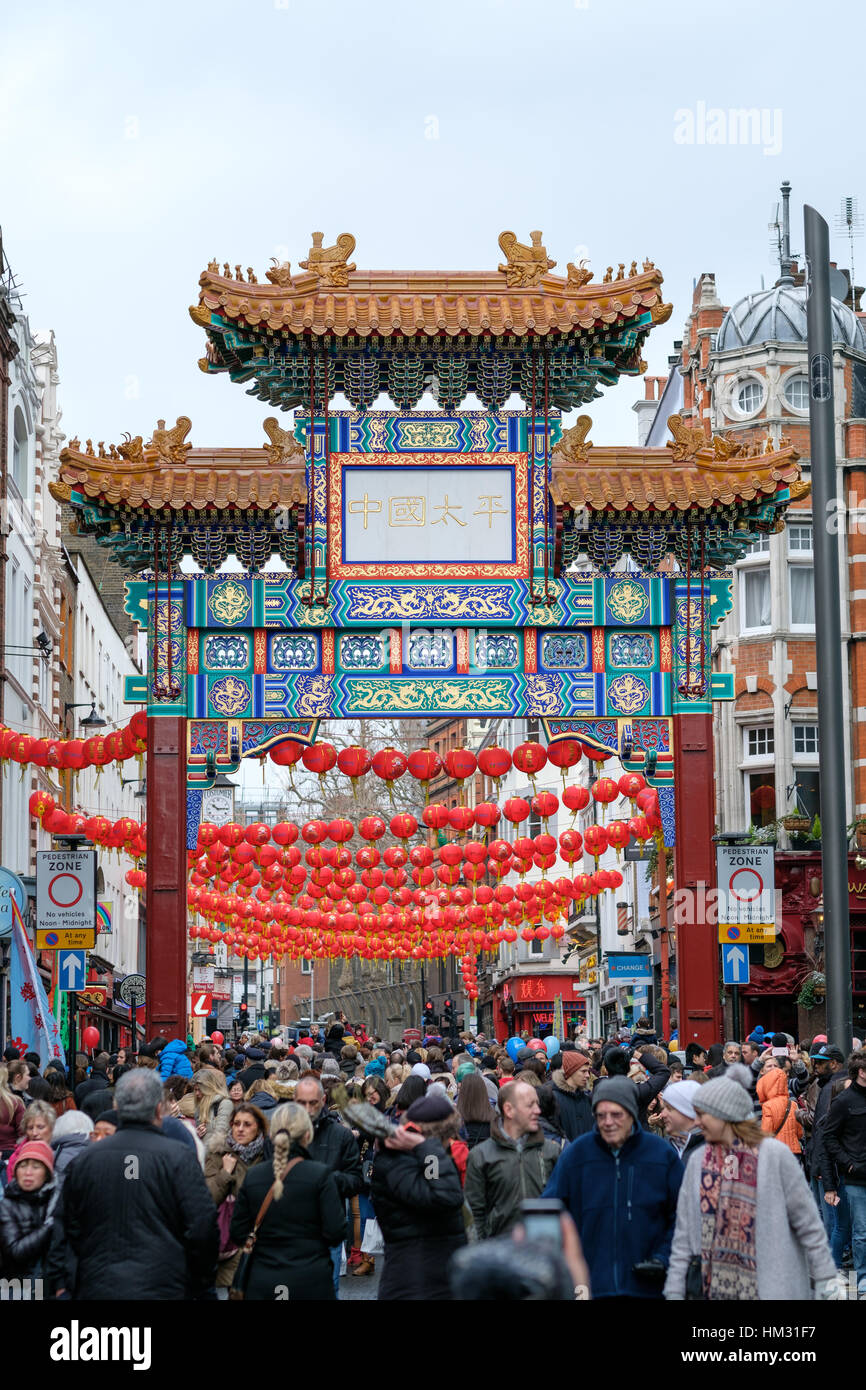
point(425, 765)
point(74, 754)
point(125, 835)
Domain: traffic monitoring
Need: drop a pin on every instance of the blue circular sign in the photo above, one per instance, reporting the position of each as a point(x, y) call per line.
point(733, 933)
point(10, 887)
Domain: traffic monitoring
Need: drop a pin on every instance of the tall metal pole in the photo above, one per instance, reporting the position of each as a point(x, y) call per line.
point(828, 636)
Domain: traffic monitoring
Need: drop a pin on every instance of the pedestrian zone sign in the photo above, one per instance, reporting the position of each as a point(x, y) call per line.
point(66, 899)
point(747, 893)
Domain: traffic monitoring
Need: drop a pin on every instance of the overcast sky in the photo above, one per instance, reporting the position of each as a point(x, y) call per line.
point(138, 141)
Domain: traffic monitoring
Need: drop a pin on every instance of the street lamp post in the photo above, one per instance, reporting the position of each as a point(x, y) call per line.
point(828, 635)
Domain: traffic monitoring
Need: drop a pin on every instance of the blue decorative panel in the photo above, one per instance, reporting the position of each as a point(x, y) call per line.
point(496, 650)
point(227, 652)
point(628, 601)
point(362, 651)
point(296, 651)
point(431, 649)
point(564, 651)
point(229, 602)
point(230, 696)
point(628, 695)
point(193, 817)
point(631, 649)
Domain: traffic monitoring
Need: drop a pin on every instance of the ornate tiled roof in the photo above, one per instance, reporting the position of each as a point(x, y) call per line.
point(692, 471)
point(431, 303)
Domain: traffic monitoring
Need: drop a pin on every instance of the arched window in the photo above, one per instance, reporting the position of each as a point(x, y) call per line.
point(20, 460)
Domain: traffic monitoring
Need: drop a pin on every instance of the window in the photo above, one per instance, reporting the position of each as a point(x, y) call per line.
point(761, 797)
point(20, 453)
point(755, 597)
point(536, 947)
point(306, 966)
point(749, 397)
point(759, 547)
point(533, 730)
point(802, 582)
point(797, 392)
point(800, 539)
point(807, 792)
point(760, 742)
point(806, 740)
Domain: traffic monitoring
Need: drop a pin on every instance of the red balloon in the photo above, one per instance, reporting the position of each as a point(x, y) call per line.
point(217, 1037)
point(90, 1036)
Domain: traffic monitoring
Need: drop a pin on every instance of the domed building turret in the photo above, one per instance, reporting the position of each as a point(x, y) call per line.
point(778, 315)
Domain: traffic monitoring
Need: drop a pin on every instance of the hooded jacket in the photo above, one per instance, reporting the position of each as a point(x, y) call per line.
point(173, 1059)
point(779, 1113)
point(573, 1107)
point(624, 1204)
point(500, 1174)
point(844, 1134)
point(26, 1223)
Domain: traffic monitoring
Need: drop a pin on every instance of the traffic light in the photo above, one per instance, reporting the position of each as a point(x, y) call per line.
point(447, 1014)
point(429, 1015)
point(243, 1018)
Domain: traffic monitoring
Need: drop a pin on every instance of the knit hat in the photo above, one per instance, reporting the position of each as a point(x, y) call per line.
point(466, 1069)
point(421, 1069)
point(573, 1061)
point(680, 1095)
point(376, 1067)
point(724, 1098)
point(433, 1106)
point(108, 1117)
point(34, 1148)
point(619, 1091)
point(330, 1067)
point(780, 1045)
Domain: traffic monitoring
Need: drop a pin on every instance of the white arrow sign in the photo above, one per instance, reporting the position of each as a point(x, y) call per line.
point(738, 959)
point(72, 970)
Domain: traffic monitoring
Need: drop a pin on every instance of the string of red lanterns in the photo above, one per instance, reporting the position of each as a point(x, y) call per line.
point(75, 754)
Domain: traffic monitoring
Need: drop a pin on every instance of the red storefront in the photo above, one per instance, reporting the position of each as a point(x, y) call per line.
point(525, 1004)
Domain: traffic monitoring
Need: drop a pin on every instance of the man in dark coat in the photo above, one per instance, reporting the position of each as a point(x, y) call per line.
point(844, 1138)
point(139, 1221)
point(418, 1200)
point(571, 1094)
point(514, 1163)
point(620, 1186)
point(334, 1145)
point(96, 1081)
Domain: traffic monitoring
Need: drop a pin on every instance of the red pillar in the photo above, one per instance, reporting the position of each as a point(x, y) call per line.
point(166, 1006)
point(698, 1007)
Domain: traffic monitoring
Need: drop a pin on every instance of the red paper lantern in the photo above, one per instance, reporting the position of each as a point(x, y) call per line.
point(630, 784)
point(571, 845)
point(314, 832)
point(461, 818)
point(460, 764)
point(286, 754)
point(595, 839)
point(487, 814)
point(494, 762)
point(516, 809)
point(435, 816)
point(284, 833)
point(372, 828)
point(639, 828)
point(576, 798)
point(564, 753)
point(138, 725)
point(545, 805)
point(40, 804)
point(341, 830)
point(319, 758)
point(529, 758)
point(403, 825)
point(389, 764)
point(618, 835)
point(257, 834)
point(597, 755)
point(605, 790)
point(354, 762)
point(424, 764)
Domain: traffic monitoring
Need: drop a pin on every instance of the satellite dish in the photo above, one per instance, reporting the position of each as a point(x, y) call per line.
point(838, 283)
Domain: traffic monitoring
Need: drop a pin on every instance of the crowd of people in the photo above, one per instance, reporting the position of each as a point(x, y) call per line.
point(454, 1168)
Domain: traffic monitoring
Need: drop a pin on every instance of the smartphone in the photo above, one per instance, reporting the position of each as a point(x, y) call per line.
point(540, 1217)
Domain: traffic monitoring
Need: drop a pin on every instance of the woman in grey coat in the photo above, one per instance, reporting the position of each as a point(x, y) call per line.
point(745, 1212)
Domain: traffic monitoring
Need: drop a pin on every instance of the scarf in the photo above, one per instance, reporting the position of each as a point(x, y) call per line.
point(728, 1198)
point(246, 1152)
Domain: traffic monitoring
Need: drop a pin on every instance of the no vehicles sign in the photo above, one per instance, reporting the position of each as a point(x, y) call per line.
point(747, 892)
point(65, 899)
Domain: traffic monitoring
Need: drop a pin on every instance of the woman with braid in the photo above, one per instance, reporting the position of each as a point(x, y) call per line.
point(303, 1219)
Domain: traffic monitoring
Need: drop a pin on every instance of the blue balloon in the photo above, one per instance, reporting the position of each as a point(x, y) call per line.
point(513, 1046)
point(552, 1045)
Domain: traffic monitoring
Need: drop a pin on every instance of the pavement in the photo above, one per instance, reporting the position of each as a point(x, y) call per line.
point(361, 1288)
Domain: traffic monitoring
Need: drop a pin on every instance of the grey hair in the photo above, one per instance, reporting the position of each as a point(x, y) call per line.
point(72, 1122)
point(137, 1096)
point(312, 1081)
point(40, 1109)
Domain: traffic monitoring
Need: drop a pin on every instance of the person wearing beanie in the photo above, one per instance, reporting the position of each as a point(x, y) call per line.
point(746, 1226)
point(417, 1196)
point(27, 1211)
point(679, 1117)
point(571, 1085)
point(514, 1163)
point(620, 1186)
